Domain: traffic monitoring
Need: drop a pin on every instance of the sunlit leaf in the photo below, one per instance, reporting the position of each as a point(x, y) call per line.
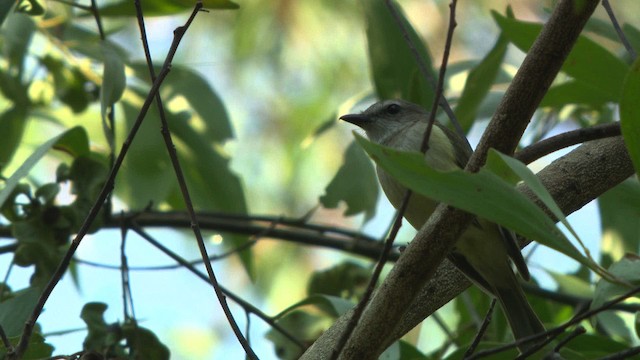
point(162, 7)
point(202, 98)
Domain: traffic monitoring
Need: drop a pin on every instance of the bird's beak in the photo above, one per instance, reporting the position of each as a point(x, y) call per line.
point(356, 119)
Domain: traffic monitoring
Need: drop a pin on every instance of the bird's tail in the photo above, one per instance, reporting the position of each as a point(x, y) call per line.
point(523, 320)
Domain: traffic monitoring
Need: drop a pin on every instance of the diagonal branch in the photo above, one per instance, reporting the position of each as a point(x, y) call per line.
point(422, 257)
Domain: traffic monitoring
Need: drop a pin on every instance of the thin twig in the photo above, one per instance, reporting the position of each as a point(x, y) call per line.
point(362, 304)
point(552, 333)
point(579, 330)
point(5, 340)
point(616, 26)
point(397, 222)
point(177, 168)
point(424, 69)
point(482, 330)
point(624, 354)
point(248, 307)
point(94, 211)
point(443, 70)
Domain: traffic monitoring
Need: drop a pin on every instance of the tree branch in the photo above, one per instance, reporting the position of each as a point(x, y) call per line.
point(419, 262)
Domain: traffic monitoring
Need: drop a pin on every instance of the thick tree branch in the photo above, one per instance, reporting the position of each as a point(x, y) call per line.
point(419, 262)
point(573, 180)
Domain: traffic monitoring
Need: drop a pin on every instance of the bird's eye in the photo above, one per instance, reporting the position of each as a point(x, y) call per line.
point(393, 109)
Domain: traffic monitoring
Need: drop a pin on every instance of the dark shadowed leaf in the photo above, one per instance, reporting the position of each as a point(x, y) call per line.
point(585, 56)
point(394, 68)
point(630, 113)
point(479, 82)
point(355, 184)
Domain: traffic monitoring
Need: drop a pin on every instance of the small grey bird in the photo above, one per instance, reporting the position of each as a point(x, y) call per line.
point(482, 253)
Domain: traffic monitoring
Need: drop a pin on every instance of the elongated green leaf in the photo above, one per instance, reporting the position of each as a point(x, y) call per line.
point(619, 214)
point(65, 139)
point(360, 196)
point(478, 84)
point(148, 176)
point(585, 56)
point(162, 7)
point(114, 80)
point(202, 98)
point(576, 92)
point(394, 67)
point(630, 113)
point(627, 269)
point(12, 125)
point(483, 193)
point(531, 180)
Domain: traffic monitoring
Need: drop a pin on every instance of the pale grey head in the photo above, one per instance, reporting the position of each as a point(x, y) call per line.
point(385, 118)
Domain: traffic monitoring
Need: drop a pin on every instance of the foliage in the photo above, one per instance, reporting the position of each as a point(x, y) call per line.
point(252, 137)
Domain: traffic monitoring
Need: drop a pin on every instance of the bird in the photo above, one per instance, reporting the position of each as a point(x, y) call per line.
point(485, 251)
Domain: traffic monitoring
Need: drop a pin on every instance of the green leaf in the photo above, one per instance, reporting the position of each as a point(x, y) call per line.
point(148, 175)
point(306, 327)
point(145, 344)
point(97, 328)
point(38, 348)
point(359, 196)
point(17, 33)
point(12, 126)
point(630, 113)
point(343, 280)
point(534, 184)
point(31, 7)
point(626, 269)
point(394, 68)
point(30, 162)
point(202, 98)
point(483, 194)
point(74, 143)
point(619, 214)
point(633, 35)
point(572, 284)
point(162, 7)
point(15, 311)
point(585, 56)
point(5, 8)
point(70, 83)
point(576, 92)
point(333, 306)
point(402, 350)
point(113, 79)
point(479, 83)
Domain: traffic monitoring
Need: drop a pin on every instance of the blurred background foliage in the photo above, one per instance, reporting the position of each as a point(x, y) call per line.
point(253, 99)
